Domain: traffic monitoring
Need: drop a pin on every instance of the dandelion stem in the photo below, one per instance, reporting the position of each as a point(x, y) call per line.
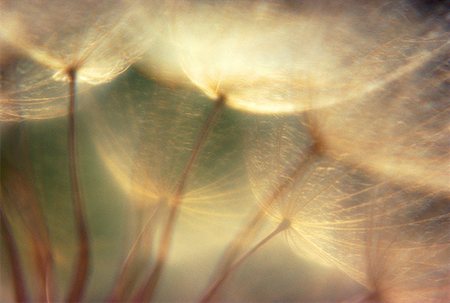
point(212, 290)
point(29, 210)
point(78, 284)
point(14, 259)
point(42, 255)
point(147, 292)
point(121, 282)
point(248, 232)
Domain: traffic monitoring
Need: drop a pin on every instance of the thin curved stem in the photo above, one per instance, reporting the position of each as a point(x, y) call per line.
point(248, 232)
point(21, 293)
point(215, 287)
point(147, 291)
point(315, 151)
point(40, 240)
point(118, 292)
point(78, 285)
point(43, 259)
point(30, 212)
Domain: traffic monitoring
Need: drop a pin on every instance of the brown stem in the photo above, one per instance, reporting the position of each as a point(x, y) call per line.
point(78, 285)
point(33, 218)
point(248, 232)
point(24, 196)
point(214, 288)
point(147, 292)
point(117, 295)
point(44, 263)
point(20, 290)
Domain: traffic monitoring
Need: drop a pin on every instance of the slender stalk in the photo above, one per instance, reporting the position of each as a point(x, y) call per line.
point(44, 264)
point(248, 232)
point(21, 193)
point(147, 292)
point(25, 198)
point(34, 222)
point(21, 293)
point(81, 271)
point(215, 287)
point(117, 295)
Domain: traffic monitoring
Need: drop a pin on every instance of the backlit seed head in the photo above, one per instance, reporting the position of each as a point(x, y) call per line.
point(99, 45)
point(147, 154)
point(274, 59)
point(373, 228)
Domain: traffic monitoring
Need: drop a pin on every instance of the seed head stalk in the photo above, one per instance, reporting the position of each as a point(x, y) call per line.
point(81, 267)
point(42, 254)
point(215, 287)
point(33, 219)
point(118, 291)
point(39, 233)
point(21, 293)
point(250, 230)
point(146, 293)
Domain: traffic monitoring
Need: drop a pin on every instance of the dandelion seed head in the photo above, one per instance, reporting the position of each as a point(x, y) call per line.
point(98, 46)
point(31, 93)
point(248, 55)
point(101, 44)
point(408, 116)
point(369, 225)
point(146, 155)
point(272, 59)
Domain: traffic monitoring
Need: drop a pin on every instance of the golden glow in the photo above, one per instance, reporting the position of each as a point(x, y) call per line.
point(33, 94)
point(255, 56)
point(266, 60)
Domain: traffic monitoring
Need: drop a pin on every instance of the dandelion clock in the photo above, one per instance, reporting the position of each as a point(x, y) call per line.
point(371, 227)
point(275, 58)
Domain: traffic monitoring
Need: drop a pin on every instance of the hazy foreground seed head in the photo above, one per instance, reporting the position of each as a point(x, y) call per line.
point(29, 91)
point(270, 58)
point(95, 38)
point(146, 154)
point(402, 131)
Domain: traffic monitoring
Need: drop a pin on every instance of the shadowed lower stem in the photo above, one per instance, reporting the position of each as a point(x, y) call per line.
point(81, 268)
point(147, 291)
point(21, 192)
point(20, 290)
point(215, 287)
